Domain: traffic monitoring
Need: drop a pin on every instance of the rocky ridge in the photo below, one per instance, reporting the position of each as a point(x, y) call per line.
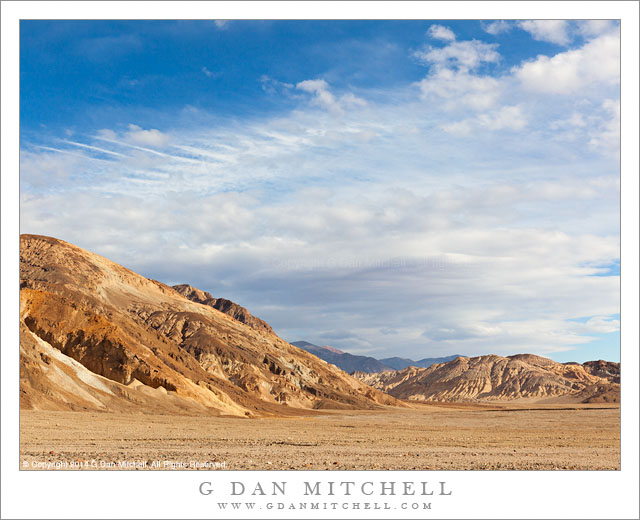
point(501, 378)
point(230, 308)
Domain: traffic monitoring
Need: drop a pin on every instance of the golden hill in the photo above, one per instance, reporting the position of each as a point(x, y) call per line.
point(501, 378)
point(95, 335)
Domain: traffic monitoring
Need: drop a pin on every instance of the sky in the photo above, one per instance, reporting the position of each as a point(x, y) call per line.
point(390, 188)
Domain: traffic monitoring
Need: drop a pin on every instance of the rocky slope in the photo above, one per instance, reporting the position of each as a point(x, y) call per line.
point(97, 335)
point(227, 306)
point(495, 378)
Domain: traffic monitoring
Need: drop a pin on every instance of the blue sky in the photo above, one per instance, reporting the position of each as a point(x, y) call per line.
point(410, 188)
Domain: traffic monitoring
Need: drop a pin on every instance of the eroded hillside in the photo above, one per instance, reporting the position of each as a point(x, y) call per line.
point(141, 335)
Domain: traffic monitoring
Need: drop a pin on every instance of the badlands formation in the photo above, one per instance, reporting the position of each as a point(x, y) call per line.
point(97, 336)
point(495, 378)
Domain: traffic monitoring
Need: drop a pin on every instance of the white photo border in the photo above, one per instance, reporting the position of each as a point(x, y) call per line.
point(475, 494)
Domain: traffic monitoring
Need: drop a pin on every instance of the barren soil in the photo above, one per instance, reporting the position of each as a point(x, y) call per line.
point(510, 436)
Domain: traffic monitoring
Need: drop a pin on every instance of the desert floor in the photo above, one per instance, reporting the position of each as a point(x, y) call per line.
point(443, 437)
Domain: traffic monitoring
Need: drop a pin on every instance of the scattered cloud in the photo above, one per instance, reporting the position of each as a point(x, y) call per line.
point(596, 63)
point(151, 137)
point(210, 74)
point(552, 31)
point(323, 97)
point(273, 86)
point(506, 118)
point(439, 32)
point(592, 28)
point(468, 54)
point(461, 88)
point(498, 27)
point(221, 24)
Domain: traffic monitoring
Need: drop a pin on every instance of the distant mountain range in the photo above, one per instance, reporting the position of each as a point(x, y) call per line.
point(353, 363)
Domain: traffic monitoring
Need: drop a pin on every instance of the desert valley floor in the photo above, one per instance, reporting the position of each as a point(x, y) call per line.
point(506, 436)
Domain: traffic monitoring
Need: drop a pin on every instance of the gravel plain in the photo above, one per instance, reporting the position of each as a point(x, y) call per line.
point(426, 437)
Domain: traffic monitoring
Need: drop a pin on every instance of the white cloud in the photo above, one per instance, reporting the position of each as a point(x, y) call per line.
point(553, 31)
point(591, 28)
point(498, 27)
point(461, 88)
point(467, 54)
point(273, 86)
point(575, 120)
point(151, 137)
point(94, 148)
point(509, 117)
point(439, 32)
point(48, 168)
point(349, 99)
point(574, 71)
point(506, 118)
point(323, 97)
point(463, 127)
point(602, 325)
point(221, 24)
point(605, 130)
point(107, 133)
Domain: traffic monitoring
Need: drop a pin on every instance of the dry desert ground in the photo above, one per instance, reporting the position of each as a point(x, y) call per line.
point(426, 437)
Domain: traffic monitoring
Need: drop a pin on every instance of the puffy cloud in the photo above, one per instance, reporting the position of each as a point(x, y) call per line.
point(574, 71)
point(461, 88)
point(107, 134)
point(467, 54)
point(602, 324)
point(150, 137)
point(322, 97)
point(497, 27)
point(440, 32)
point(553, 31)
point(591, 28)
